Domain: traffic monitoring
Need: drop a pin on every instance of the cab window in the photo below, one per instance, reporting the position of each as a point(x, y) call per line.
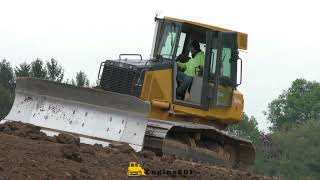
point(181, 44)
point(168, 40)
point(226, 62)
point(213, 62)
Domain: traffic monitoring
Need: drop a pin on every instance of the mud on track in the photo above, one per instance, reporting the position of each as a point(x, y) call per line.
point(27, 153)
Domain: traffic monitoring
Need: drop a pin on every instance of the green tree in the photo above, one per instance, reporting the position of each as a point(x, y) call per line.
point(298, 152)
point(55, 71)
point(295, 106)
point(81, 79)
point(6, 88)
point(6, 100)
point(38, 69)
point(247, 128)
point(23, 70)
point(6, 75)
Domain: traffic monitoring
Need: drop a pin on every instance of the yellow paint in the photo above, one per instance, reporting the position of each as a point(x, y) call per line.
point(160, 104)
point(229, 115)
point(157, 87)
point(135, 169)
point(242, 38)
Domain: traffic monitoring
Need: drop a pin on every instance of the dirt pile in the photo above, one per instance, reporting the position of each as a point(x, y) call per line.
point(23, 130)
point(27, 153)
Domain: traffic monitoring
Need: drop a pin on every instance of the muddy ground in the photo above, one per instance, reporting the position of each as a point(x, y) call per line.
point(27, 153)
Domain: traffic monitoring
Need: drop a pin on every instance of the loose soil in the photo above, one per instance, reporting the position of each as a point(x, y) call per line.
point(27, 153)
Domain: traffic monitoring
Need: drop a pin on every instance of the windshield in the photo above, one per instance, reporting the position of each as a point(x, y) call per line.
point(168, 40)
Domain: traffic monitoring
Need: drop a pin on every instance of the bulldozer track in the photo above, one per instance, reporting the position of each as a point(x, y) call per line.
point(199, 143)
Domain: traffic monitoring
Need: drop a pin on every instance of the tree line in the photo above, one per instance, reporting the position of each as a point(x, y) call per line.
point(48, 70)
point(292, 149)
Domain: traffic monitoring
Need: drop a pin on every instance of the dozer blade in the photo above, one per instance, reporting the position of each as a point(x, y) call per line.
point(96, 116)
point(199, 143)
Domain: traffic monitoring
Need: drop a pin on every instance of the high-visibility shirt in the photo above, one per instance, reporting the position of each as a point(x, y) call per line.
point(192, 64)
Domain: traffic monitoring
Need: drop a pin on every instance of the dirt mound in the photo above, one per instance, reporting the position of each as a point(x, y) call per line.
point(24, 130)
point(122, 148)
point(71, 151)
point(24, 157)
point(67, 139)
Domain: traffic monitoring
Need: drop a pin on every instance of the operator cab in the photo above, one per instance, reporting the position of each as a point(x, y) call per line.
point(216, 80)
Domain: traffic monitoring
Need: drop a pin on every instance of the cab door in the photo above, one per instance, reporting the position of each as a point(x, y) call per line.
point(222, 79)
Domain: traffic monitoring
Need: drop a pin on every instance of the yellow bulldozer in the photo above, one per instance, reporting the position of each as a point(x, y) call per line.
point(135, 169)
point(137, 103)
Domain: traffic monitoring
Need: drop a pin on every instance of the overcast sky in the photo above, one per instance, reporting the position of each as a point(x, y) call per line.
point(283, 36)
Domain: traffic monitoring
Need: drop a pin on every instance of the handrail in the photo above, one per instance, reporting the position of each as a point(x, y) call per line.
point(240, 72)
point(102, 64)
point(129, 55)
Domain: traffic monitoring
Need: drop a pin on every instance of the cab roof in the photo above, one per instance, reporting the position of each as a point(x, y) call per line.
point(242, 38)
